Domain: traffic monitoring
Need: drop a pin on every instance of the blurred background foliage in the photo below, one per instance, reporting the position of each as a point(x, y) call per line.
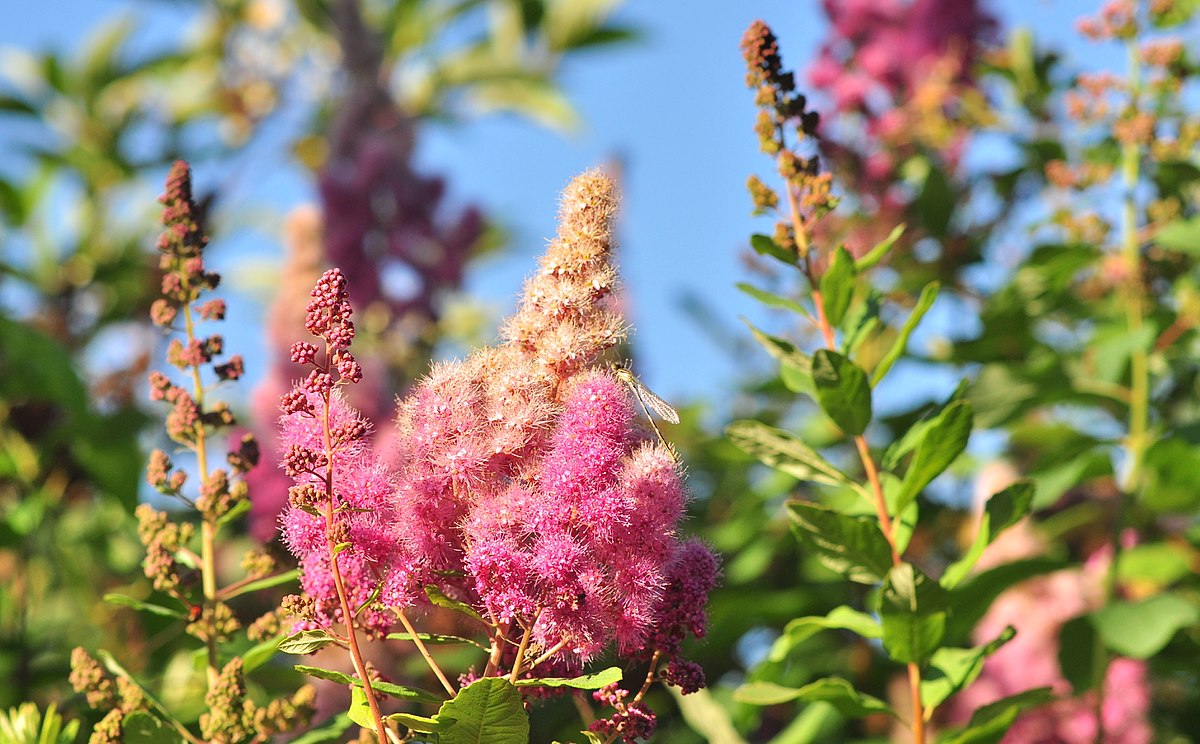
point(1011, 172)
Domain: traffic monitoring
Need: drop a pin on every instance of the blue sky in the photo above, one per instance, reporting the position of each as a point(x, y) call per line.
point(672, 108)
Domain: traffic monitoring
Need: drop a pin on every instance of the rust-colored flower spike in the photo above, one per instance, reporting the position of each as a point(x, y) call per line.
point(562, 322)
point(783, 112)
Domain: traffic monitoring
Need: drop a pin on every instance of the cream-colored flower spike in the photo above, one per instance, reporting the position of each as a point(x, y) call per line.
point(563, 322)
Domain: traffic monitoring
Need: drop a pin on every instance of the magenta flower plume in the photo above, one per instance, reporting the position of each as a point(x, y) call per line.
point(342, 492)
point(528, 486)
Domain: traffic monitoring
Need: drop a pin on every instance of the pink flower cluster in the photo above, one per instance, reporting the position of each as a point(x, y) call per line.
point(880, 51)
point(519, 481)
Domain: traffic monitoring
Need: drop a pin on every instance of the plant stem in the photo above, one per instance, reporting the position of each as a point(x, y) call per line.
point(864, 453)
point(360, 666)
point(516, 670)
point(1136, 440)
point(208, 527)
point(424, 650)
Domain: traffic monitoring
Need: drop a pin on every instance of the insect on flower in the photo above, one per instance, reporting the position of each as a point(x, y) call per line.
point(649, 401)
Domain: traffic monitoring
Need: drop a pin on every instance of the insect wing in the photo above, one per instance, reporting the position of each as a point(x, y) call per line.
point(660, 407)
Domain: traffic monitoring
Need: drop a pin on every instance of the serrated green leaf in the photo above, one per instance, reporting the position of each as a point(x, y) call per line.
point(850, 545)
point(876, 254)
point(839, 618)
point(954, 669)
point(773, 300)
point(305, 642)
point(784, 452)
point(837, 286)
point(941, 444)
point(437, 597)
point(488, 711)
point(924, 302)
point(1002, 511)
point(842, 390)
point(326, 674)
point(912, 611)
point(1141, 629)
point(989, 724)
point(585, 682)
point(834, 690)
point(137, 604)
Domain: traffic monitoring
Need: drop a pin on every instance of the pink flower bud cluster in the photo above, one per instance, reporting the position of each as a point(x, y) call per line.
point(327, 455)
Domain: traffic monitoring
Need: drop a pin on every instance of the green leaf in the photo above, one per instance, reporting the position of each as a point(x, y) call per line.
point(876, 254)
point(238, 510)
point(437, 597)
point(420, 724)
point(1077, 653)
point(1182, 235)
point(137, 604)
point(850, 545)
point(1171, 476)
point(907, 443)
point(763, 245)
point(834, 690)
point(784, 452)
point(264, 583)
point(795, 366)
point(1141, 629)
point(585, 682)
point(773, 300)
point(1157, 563)
point(306, 642)
point(912, 610)
point(839, 618)
point(935, 202)
point(143, 728)
point(260, 653)
point(435, 639)
point(360, 710)
point(1002, 511)
point(842, 390)
point(954, 669)
point(861, 321)
point(328, 732)
point(924, 302)
point(488, 711)
point(413, 694)
point(705, 714)
point(837, 286)
point(973, 597)
point(989, 724)
point(326, 674)
point(941, 444)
